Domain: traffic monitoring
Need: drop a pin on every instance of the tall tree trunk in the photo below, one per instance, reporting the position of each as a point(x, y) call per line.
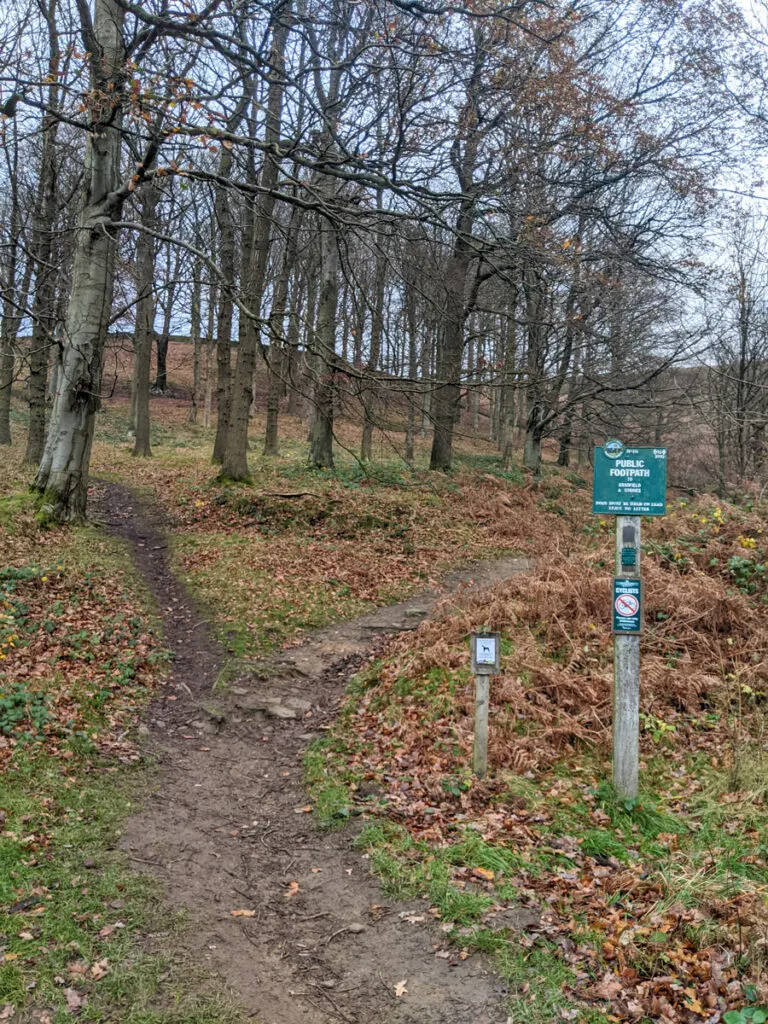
point(9, 327)
point(44, 221)
point(63, 473)
point(235, 455)
point(295, 356)
point(740, 410)
point(413, 369)
point(508, 389)
point(377, 326)
point(145, 321)
point(195, 330)
point(277, 340)
point(226, 228)
point(447, 390)
point(427, 348)
point(162, 340)
point(535, 411)
point(321, 440)
point(7, 370)
point(209, 343)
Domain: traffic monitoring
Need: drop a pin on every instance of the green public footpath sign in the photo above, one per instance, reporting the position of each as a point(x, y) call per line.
point(629, 481)
point(627, 606)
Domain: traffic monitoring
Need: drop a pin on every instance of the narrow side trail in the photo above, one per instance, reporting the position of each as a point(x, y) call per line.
point(227, 828)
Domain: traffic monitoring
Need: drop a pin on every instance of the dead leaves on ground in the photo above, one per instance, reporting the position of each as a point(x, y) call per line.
point(72, 650)
point(412, 719)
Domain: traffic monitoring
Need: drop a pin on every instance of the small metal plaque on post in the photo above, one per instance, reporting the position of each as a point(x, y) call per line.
point(486, 654)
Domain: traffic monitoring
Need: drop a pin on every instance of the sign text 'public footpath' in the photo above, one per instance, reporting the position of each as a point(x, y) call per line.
point(628, 483)
point(631, 482)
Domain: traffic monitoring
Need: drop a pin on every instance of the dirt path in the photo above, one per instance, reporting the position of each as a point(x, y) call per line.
point(225, 831)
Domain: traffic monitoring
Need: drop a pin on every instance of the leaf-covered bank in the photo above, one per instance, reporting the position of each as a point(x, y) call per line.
point(652, 912)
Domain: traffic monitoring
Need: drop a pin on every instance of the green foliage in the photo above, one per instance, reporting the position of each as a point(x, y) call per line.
point(356, 474)
point(656, 728)
point(749, 1015)
point(489, 464)
point(329, 784)
point(748, 574)
point(22, 711)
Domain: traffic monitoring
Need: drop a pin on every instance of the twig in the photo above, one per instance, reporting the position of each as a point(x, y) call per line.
point(341, 1013)
point(294, 494)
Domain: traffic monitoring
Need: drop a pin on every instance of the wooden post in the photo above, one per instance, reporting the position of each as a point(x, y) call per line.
point(481, 725)
point(626, 678)
point(485, 659)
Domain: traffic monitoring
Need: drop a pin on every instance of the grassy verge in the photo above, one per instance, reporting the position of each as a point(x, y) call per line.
point(82, 934)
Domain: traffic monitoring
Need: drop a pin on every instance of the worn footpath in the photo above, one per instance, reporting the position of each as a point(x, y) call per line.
point(290, 916)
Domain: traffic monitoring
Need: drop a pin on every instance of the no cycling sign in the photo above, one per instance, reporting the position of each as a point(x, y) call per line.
point(627, 605)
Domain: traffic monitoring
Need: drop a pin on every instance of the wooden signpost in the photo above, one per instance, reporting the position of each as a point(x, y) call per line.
point(628, 483)
point(485, 650)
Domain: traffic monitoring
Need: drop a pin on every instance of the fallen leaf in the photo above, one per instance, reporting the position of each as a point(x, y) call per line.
point(411, 918)
point(7, 1011)
point(243, 913)
point(74, 999)
point(400, 989)
point(100, 969)
point(292, 889)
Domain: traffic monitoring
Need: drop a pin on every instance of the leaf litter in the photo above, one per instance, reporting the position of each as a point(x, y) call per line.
point(659, 911)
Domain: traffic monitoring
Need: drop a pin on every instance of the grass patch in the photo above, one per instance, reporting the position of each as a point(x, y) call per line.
point(81, 931)
point(330, 783)
point(255, 605)
point(410, 869)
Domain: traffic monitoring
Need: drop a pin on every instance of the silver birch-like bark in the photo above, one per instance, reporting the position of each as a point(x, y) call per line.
point(10, 317)
point(63, 473)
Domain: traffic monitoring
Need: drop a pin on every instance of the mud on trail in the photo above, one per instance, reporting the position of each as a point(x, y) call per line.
point(227, 828)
